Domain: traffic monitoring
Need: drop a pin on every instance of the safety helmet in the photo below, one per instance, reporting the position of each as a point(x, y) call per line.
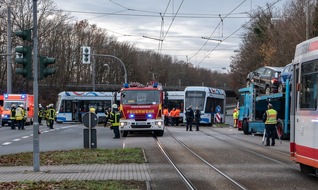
point(114, 106)
point(40, 105)
point(21, 105)
point(51, 105)
point(13, 105)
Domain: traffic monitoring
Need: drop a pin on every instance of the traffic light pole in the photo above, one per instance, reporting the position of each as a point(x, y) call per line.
point(9, 49)
point(101, 55)
point(36, 145)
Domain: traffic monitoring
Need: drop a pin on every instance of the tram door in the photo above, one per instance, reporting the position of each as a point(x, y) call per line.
point(75, 110)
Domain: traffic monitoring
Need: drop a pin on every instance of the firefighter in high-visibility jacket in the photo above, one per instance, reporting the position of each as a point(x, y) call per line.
point(270, 119)
point(19, 116)
point(12, 116)
point(114, 120)
point(50, 114)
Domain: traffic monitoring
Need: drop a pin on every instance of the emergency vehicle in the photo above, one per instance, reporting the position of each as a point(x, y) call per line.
point(141, 108)
point(1, 104)
point(304, 114)
point(252, 106)
point(26, 100)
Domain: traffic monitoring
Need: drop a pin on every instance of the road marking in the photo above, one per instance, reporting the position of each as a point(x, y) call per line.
point(25, 137)
point(6, 143)
point(15, 140)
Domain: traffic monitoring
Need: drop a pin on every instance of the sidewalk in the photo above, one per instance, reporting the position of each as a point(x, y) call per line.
point(138, 172)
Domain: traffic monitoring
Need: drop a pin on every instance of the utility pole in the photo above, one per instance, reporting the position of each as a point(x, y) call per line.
point(9, 49)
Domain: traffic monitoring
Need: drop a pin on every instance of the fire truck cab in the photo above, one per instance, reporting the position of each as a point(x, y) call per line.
point(26, 99)
point(141, 108)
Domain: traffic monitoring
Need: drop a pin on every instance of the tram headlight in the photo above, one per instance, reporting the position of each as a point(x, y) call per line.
point(122, 124)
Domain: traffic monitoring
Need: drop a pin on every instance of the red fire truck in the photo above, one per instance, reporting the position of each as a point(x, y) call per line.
point(141, 108)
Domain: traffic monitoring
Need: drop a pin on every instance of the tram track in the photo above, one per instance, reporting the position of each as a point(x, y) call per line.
point(245, 141)
point(183, 175)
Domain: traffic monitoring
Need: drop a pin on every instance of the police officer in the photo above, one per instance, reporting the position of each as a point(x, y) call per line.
point(270, 119)
point(114, 119)
point(189, 116)
point(12, 116)
point(19, 116)
point(197, 116)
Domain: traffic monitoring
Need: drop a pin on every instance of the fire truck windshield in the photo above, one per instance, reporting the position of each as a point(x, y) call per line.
point(136, 97)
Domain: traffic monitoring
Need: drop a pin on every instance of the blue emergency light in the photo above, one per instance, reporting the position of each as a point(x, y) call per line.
point(6, 96)
point(126, 85)
point(23, 96)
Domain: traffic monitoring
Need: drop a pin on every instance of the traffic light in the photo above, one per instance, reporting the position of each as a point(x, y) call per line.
point(86, 55)
point(44, 70)
point(24, 55)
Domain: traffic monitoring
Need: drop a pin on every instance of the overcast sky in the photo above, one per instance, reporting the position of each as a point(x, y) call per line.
point(173, 27)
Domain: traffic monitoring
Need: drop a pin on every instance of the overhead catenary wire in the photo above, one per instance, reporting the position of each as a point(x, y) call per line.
point(215, 30)
point(232, 34)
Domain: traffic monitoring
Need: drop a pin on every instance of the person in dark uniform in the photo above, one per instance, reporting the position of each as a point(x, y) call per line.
point(197, 116)
point(270, 119)
point(189, 117)
point(114, 119)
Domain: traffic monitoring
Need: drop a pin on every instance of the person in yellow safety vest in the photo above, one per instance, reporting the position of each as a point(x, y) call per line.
point(166, 116)
point(270, 119)
point(114, 120)
point(19, 116)
point(235, 117)
point(92, 110)
point(12, 116)
point(51, 113)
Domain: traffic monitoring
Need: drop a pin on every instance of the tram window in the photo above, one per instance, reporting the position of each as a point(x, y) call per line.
point(68, 106)
point(308, 94)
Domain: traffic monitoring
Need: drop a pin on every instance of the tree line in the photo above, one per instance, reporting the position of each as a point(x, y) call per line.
point(263, 43)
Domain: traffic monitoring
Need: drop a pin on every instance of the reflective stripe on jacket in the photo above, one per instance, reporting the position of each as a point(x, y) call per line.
point(12, 113)
point(271, 116)
point(50, 114)
point(114, 118)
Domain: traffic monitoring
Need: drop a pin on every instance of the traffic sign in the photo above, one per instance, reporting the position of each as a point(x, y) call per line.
point(218, 109)
point(93, 121)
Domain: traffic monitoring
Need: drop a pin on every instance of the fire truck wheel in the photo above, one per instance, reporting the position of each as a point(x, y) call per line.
point(125, 133)
point(245, 127)
point(307, 170)
point(159, 133)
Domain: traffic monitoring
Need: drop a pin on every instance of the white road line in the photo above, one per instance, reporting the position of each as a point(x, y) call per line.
point(6, 143)
point(15, 140)
point(25, 137)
